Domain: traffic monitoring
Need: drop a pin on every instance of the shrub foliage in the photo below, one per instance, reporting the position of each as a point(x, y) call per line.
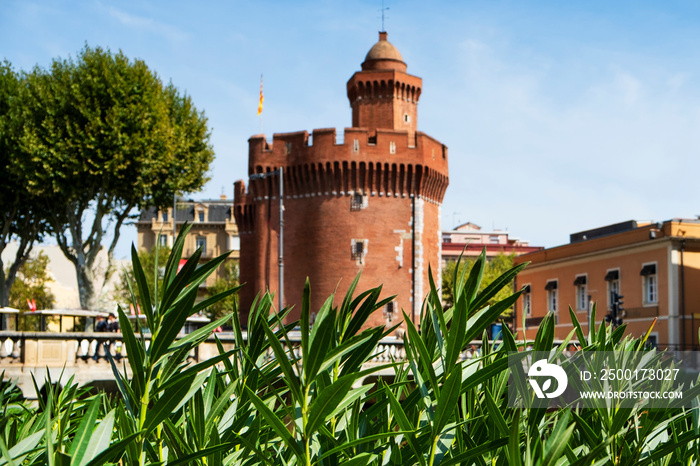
point(269, 402)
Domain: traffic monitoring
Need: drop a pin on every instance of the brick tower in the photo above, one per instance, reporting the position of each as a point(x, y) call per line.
point(367, 202)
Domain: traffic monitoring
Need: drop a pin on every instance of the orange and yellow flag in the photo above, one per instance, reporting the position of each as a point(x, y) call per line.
point(260, 105)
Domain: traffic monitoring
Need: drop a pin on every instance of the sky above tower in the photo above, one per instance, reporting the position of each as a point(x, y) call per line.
point(558, 116)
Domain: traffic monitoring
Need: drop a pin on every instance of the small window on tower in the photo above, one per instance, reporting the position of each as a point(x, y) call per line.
point(356, 145)
point(288, 147)
point(392, 147)
point(406, 118)
point(389, 313)
point(358, 202)
point(358, 250)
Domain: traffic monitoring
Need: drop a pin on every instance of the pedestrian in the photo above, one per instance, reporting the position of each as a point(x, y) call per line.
point(112, 323)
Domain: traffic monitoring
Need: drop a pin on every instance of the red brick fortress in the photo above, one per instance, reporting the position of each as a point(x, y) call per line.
point(366, 202)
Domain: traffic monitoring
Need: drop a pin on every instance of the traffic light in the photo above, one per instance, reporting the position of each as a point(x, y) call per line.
point(616, 311)
point(617, 299)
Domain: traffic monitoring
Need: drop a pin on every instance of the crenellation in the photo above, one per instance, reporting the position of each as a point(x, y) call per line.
point(381, 156)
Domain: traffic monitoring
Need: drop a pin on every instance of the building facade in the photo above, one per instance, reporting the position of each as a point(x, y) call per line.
point(469, 239)
point(654, 266)
point(368, 202)
point(213, 229)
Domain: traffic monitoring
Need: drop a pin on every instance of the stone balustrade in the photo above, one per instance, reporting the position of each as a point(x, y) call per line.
point(83, 355)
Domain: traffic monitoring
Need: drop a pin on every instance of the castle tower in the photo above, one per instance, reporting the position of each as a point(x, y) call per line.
point(368, 202)
point(383, 95)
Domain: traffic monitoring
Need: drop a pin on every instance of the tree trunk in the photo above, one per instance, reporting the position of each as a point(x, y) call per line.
point(86, 287)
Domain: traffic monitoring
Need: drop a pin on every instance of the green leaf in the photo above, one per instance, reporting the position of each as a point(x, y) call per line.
point(514, 455)
point(214, 299)
point(405, 425)
point(142, 285)
point(457, 333)
point(495, 414)
point(282, 359)
point(20, 449)
point(329, 398)
point(276, 424)
point(305, 319)
point(558, 440)
point(175, 255)
point(99, 440)
point(577, 326)
point(447, 402)
point(426, 359)
point(83, 435)
point(134, 353)
point(495, 286)
point(322, 335)
point(164, 406)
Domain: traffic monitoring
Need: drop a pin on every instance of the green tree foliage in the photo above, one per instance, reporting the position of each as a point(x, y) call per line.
point(494, 268)
point(21, 216)
point(229, 280)
point(32, 283)
point(106, 136)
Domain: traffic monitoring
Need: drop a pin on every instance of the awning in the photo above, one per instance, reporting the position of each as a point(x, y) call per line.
point(551, 285)
point(580, 280)
point(649, 269)
point(612, 275)
point(526, 289)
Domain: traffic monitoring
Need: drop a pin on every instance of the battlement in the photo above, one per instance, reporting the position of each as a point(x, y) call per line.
point(356, 145)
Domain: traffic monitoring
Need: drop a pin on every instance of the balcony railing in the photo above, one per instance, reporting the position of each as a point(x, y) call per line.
point(206, 253)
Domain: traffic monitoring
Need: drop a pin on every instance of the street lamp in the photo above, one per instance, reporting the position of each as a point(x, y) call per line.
point(280, 244)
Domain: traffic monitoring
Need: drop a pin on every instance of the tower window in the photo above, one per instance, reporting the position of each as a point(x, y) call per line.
point(358, 202)
point(356, 145)
point(288, 147)
point(389, 312)
point(406, 118)
point(392, 147)
point(358, 250)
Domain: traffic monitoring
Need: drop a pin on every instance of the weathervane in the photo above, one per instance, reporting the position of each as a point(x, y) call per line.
point(383, 9)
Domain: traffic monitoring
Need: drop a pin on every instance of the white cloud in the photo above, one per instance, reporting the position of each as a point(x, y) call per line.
point(167, 31)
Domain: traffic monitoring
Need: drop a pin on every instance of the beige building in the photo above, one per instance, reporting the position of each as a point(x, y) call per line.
point(469, 239)
point(654, 266)
point(213, 229)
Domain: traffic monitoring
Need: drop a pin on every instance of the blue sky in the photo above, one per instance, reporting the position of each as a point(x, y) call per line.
point(558, 116)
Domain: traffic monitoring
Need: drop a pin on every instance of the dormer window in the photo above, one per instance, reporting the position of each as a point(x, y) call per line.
point(200, 216)
point(165, 216)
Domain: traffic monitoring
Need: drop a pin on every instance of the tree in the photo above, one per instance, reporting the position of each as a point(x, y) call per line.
point(21, 216)
point(32, 284)
point(106, 136)
point(229, 280)
point(494, 268)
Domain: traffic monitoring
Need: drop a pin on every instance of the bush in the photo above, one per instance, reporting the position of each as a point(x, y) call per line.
point(265, 402)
